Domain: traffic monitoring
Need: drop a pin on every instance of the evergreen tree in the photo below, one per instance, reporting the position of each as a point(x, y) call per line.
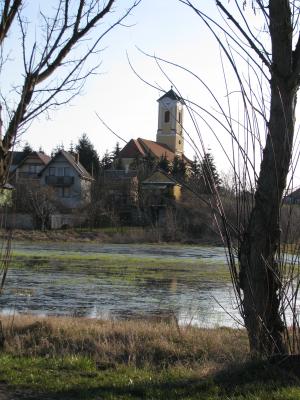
point(149, 162)
point(27, 149)
point(209, 173)
point(106, 162)
point(164, 164)
point(88, 156)
point(179, 168)
point(57, 149)
point(195, 168)
point(117, 162)
point(71, 149)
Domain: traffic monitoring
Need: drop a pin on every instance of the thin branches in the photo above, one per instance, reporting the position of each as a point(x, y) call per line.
point(56, 65)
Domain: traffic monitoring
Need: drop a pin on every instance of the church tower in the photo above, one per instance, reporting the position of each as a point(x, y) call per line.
point(170, 117)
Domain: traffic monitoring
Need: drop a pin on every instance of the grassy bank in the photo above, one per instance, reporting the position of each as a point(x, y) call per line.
point(67, 358)
point(117, 235)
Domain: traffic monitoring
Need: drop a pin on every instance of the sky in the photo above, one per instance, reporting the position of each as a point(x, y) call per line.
point(166, 29)
point(128, 106)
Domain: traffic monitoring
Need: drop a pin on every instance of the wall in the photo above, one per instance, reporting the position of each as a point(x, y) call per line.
point(59, 221)
point(16, 221)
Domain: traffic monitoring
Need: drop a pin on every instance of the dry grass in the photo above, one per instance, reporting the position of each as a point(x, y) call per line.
point(135, 343)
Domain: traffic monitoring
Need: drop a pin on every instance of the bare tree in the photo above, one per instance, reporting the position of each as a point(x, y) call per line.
point(40, 202)
point(268, 88)
point(55, 58)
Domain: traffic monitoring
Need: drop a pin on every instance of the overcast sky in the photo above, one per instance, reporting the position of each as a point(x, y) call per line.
point(167, 29)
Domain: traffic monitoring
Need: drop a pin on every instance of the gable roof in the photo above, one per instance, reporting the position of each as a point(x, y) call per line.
point(171, 95)
point(44, 158)
point(15, 158)
point(140, 147)
point(159, 177)
point(132, 149)
point(79, 168)
point(158, 150)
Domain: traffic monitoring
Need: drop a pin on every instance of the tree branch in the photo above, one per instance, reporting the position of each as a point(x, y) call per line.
point(8, 15)
point(244, 33)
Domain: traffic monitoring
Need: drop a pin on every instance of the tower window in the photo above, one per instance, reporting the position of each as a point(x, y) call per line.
point(179, 117)
point(167, 116)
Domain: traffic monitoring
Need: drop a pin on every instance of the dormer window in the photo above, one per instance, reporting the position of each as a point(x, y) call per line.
point(167, 116)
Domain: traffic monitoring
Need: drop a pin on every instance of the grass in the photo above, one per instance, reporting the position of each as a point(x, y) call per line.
point(79, 378)
point(69, 358)
point(125, 267)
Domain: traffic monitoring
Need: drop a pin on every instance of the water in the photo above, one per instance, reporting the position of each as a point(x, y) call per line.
point(91, 289)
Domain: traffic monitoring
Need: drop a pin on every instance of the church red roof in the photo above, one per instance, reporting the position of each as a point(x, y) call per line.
point(140, 147)
point(132, 149)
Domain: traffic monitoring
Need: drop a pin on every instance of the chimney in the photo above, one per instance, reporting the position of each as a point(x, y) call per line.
point(76, 156)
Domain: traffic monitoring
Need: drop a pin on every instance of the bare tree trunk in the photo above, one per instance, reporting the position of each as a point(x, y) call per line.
point(259, 272)
point(258, 280)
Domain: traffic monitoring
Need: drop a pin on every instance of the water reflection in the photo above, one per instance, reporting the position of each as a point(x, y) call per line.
point(56, 292)
point(100, 292)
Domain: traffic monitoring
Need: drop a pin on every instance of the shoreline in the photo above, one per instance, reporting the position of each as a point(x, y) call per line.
point(122, 235)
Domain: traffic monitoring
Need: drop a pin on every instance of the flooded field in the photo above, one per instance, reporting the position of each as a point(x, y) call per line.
point(120, 281)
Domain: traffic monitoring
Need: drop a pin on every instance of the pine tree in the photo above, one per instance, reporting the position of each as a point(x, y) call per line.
point(195, 168)
point(57, 149)
point(164, 164)
point(27, 149)
point(88, 156)
point(71, 149)
point(106, 162)
point(209, 173)
point(149, 162)
point(179, 168)
point(117, 161)
point(195, 179)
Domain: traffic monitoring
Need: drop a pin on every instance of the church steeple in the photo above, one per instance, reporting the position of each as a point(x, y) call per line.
point(170, 118)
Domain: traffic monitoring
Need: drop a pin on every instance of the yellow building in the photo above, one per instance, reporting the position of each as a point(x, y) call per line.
point(170, 119)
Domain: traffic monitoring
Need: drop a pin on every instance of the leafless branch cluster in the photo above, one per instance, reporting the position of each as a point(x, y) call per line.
point(55, 55)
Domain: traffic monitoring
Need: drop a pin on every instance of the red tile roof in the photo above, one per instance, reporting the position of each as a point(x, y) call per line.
point(157, 149)
point(140, 147)
point(132, 149)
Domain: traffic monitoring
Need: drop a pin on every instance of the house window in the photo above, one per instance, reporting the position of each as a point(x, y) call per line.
point(52, 171)
point(167, 116)
point(60, 171)
point(67, 171)
point(32, 168)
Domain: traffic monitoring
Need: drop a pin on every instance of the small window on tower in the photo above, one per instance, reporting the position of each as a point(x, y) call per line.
point(167, 116)
point(179, 117)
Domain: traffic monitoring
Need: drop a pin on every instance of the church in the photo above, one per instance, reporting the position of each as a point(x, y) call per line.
point(158, 189)
point(169, 138)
